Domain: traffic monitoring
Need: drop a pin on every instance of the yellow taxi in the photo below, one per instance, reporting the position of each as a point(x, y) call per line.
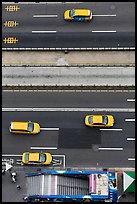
point(42, 158)
point(78, 15)
point(99, 120)
point(24, 127)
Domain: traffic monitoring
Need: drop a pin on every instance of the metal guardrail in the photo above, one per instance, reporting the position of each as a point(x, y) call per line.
point(70, 49)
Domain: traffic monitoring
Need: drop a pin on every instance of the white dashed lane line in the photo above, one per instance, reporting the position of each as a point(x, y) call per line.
point(43, 148)
point(49, 128)
point(130, 138)
point(44, 31)
point(113, 15)
point(131, 159)
point(119, 129)
point(130, 120)
point(103, 31)
point(45, 16)
point(111, 148)
point(131, 100)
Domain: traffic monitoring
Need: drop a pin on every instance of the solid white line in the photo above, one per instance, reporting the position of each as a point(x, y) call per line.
point(49, 128)
point(44, 16)
point(120, 129)
point(110, 148)
point(11, 155)
point(43, 148)
point(72, 109)
point(128, 120)
point(131, 100)
point(130, 139)
point(44, 31)
point(102, 31)
point(105, 15)
point(131, 159)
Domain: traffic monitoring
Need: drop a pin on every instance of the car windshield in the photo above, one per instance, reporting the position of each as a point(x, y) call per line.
point(90, 120)
point(104, 120)
point(27, 157)
point(30, 127)
point(42, 157)
point(72, 13)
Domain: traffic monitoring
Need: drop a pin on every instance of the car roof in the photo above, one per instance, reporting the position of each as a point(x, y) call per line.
point(82, 12)
point(34, 157)
point(19, 125)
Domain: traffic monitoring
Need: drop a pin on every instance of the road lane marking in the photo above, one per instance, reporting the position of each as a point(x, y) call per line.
point(119, 129)
point(111, 148)
point(130, 139)
point(64, 162)
point(43, 148)
point(49, 128)
point(131, 100)
point(72, 109)
point(131, 159)
point(44, 31)
point(130, 120)
point(45, 16)
point(105, 15)
point(102, 31)
point(11, 155)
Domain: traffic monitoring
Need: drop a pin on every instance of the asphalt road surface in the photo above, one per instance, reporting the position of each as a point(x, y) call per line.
point(112, 26)
point(80, 145)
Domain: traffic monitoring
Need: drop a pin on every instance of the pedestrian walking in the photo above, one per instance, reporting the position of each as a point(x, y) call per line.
point(18, 187)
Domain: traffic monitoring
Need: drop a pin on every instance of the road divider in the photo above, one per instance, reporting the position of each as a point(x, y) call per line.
point(73, 109)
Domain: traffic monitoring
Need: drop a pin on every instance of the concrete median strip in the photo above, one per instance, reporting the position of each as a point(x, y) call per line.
point(71, 109)
point(67, 75)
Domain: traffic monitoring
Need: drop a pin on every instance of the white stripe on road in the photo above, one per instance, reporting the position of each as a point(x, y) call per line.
point(11, 155)
point(72, 109)
point(130, 138)
point(131, 100)
point(102, 31)
point(110, 148)
point(45, 16)
point(105, 15)
point(49, 128)
point(44, 31)
point(43, 148)
point(120, 129)
point(131, 159)
point(130, 120)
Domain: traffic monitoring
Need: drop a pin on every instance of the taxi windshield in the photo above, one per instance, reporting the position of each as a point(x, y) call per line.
point(90, 120)
point(104, 120)
point(42, 157)
point(30, 127)
point(72, 13)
